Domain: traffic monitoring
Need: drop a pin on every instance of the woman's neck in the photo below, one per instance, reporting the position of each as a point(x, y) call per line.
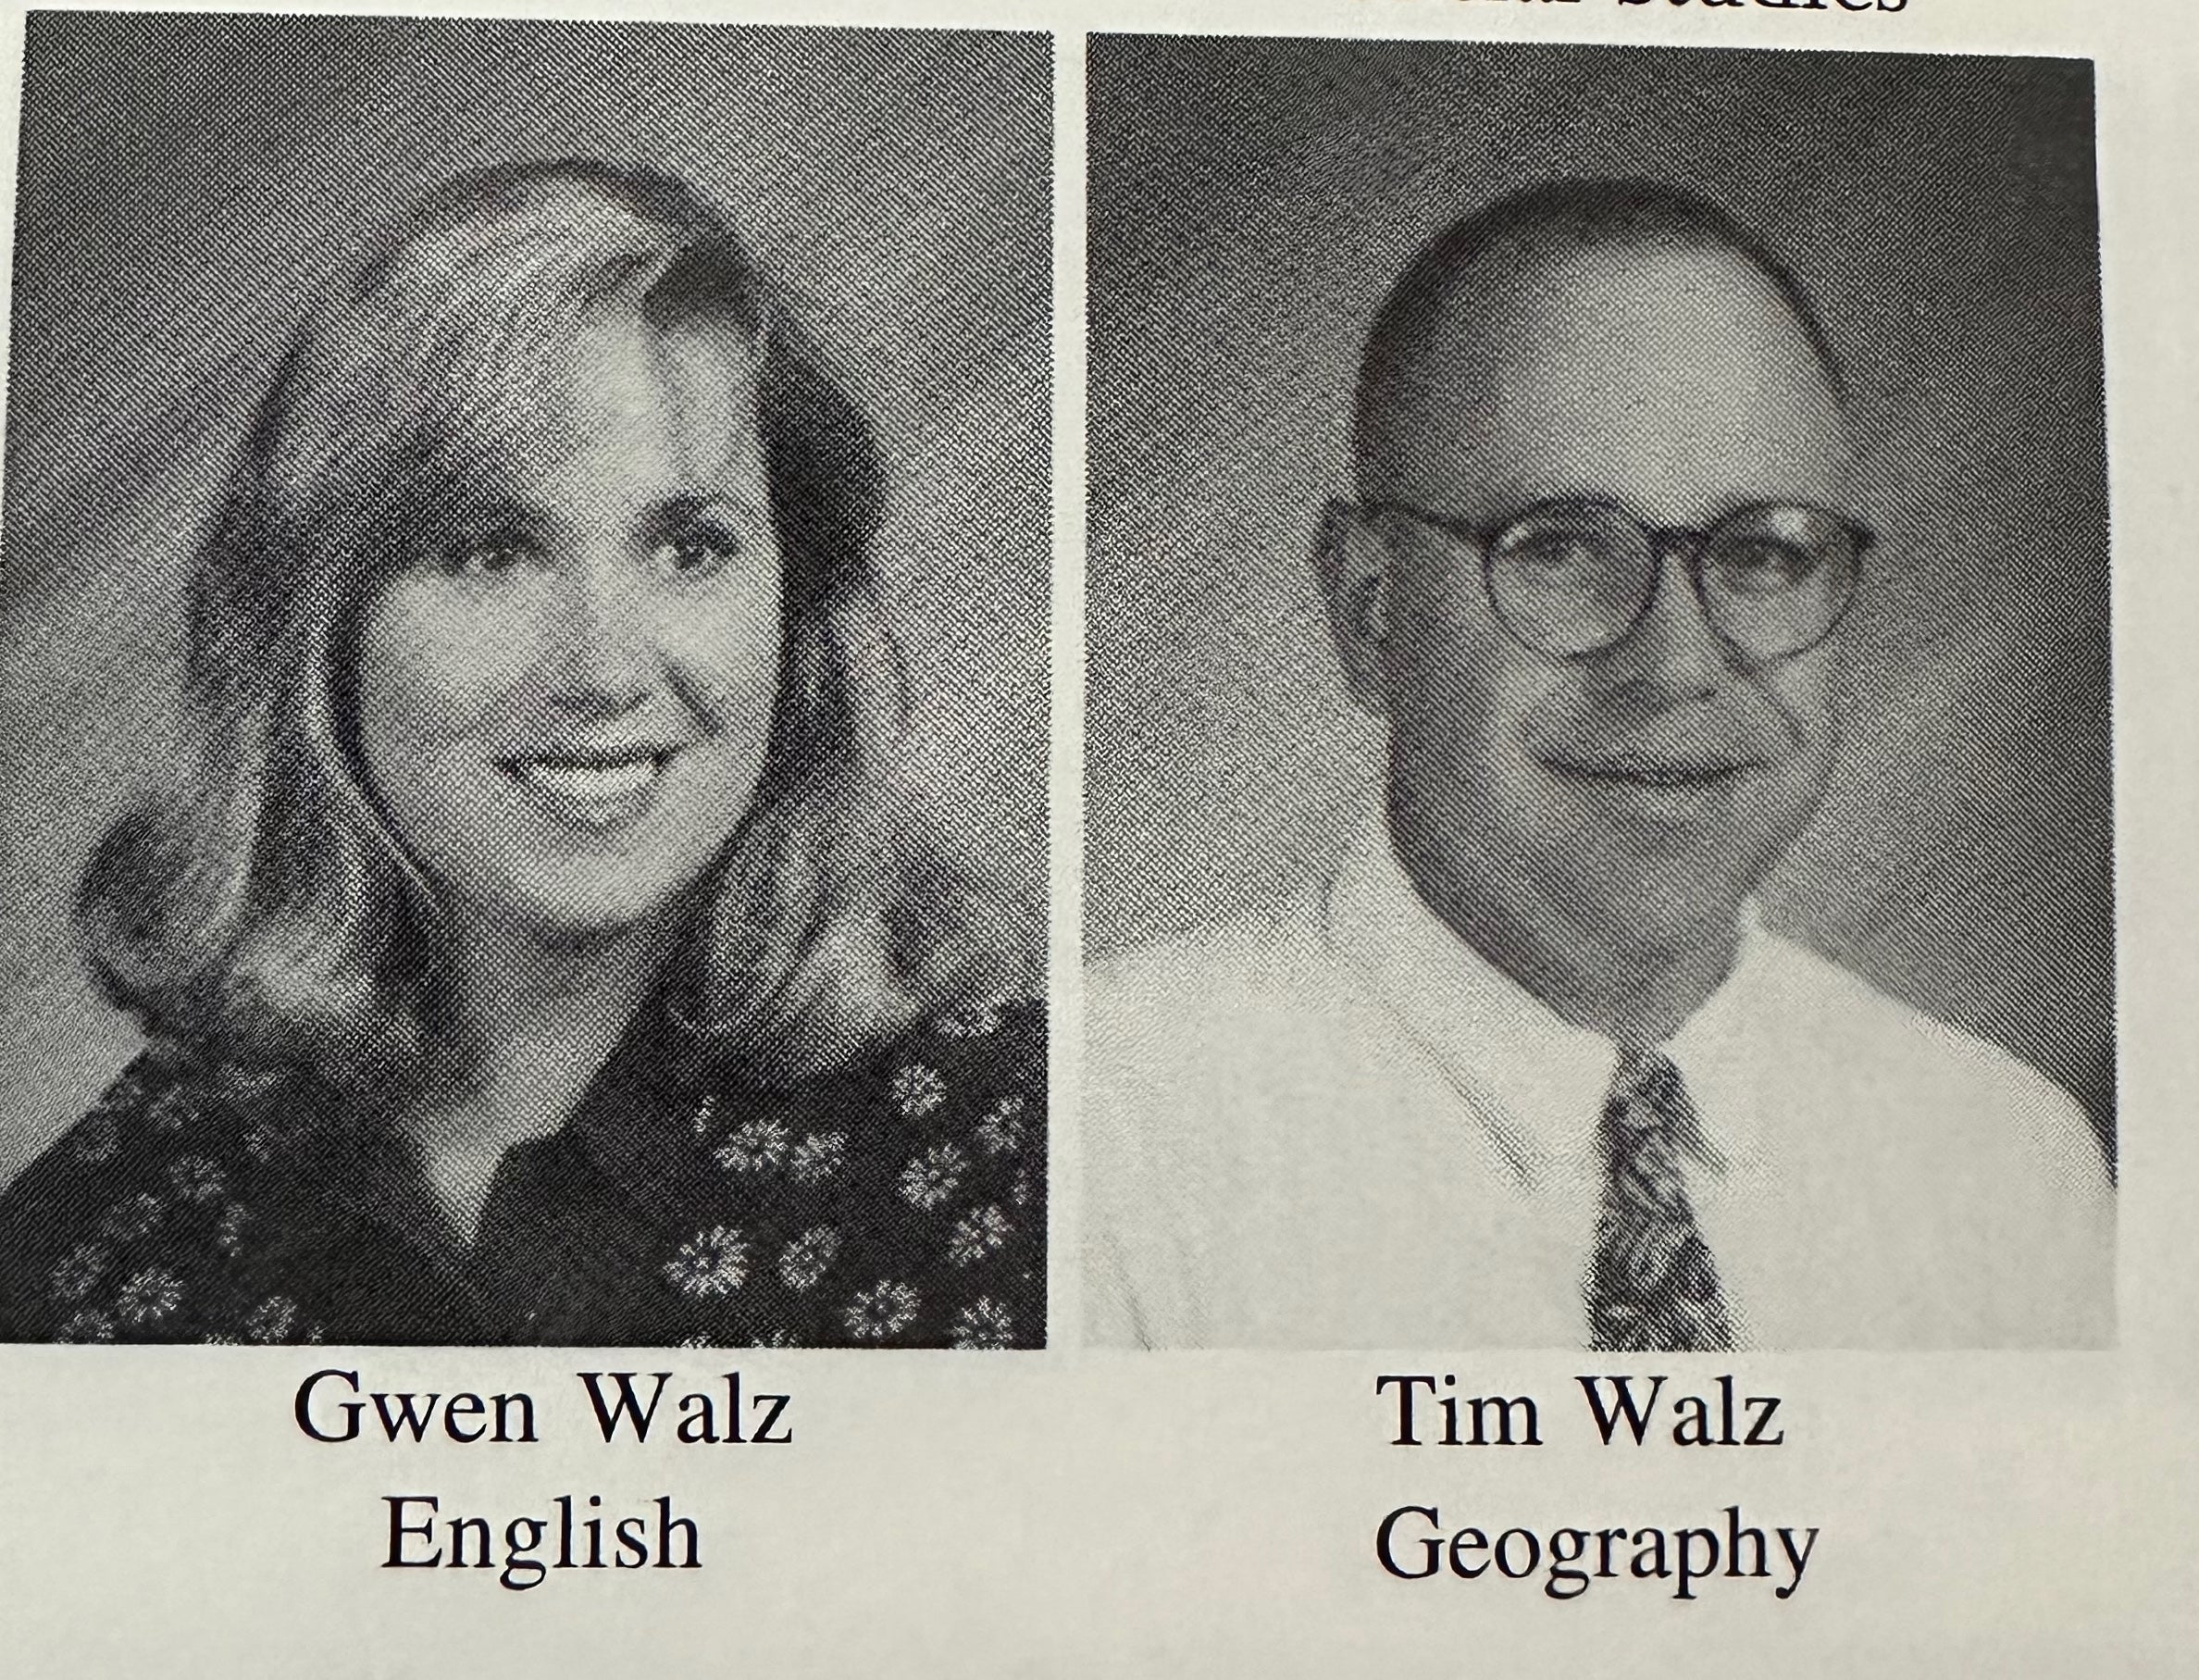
point(543, 1017)
point(516, 989)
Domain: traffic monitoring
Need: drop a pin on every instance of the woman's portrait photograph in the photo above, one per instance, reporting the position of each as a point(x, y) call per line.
point(524, 686)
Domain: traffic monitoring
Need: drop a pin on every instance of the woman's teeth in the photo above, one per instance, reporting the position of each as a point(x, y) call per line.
point(589, 781)
point(591, 795)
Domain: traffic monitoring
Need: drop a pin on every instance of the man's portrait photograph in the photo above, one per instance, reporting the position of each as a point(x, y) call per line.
point(1598, 801)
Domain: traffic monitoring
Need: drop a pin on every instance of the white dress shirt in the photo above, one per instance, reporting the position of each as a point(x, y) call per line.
point(1347, 1129)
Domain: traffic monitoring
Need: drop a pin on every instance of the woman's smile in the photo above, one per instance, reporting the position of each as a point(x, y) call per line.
point(599, 790)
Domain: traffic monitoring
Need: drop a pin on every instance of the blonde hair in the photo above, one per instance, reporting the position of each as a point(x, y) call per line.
point(268, 909)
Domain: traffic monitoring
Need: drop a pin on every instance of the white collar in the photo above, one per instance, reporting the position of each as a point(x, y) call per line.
point(1537, 1080)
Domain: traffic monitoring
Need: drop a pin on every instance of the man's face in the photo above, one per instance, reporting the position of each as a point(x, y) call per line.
point(1642, 791)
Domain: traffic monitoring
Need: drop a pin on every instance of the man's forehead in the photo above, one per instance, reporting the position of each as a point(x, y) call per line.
point(1663, 372)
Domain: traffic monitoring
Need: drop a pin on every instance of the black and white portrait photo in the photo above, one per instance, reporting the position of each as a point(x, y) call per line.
point(1598, 794)
point(524, 672)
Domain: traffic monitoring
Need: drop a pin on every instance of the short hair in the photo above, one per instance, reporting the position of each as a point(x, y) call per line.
point(1555, 219)
point(269, 911)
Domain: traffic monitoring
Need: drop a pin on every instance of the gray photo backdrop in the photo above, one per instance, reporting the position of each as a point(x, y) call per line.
point(188, 182)
point(1250, 201)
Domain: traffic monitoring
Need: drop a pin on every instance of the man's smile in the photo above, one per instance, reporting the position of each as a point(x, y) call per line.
point(1654, 770)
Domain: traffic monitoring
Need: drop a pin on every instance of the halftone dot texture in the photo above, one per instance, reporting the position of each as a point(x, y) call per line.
point(188, 183)
point(1251, 204)
point(1652, 1283)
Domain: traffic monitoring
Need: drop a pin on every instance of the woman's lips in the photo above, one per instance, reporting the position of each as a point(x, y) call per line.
point(598, 791)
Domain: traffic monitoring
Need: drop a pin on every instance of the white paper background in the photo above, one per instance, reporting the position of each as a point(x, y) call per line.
point(1073, 1513)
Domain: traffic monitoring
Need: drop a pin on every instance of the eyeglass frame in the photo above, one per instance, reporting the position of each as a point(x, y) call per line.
point(1662, 540)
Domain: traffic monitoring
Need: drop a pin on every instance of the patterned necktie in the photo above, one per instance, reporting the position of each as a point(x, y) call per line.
point(1652, 1284)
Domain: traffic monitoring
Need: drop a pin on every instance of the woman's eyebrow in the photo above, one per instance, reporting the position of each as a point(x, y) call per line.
point(456, 512)
point(481, 500)
point(696, 504)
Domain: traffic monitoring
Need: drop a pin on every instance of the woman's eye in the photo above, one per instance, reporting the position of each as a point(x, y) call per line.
point(699, 552)
point(493, 557)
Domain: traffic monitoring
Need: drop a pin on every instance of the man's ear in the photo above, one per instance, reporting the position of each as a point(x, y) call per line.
point(1354, 565)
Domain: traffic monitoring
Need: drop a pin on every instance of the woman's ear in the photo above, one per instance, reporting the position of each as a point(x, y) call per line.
point(1354, 563)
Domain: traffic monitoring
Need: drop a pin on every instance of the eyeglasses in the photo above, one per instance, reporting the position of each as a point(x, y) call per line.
point(1574, 577)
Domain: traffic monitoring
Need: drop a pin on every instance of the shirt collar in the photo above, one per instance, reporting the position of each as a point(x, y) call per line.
point(647, 1114)
point(1537, 1080)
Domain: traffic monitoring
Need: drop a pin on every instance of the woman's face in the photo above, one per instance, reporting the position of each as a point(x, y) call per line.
point(563, 696)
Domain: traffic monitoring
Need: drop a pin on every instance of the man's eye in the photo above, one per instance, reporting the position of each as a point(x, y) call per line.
point(1555, 555)
point(1764, 567)
point(698, 551)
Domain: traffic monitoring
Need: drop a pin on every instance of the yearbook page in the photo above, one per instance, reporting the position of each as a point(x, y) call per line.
point(1098, 838)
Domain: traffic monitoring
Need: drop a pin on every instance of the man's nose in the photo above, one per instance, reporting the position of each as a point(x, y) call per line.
point(1672, 653)
point(601, 651)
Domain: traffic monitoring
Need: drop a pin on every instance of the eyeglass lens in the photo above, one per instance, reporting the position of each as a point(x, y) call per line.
point(1575, 578)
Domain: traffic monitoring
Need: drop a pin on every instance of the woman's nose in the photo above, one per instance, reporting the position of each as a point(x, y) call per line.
point(601, 653)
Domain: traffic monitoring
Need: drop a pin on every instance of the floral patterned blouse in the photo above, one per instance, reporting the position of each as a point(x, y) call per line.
point(899, 1201)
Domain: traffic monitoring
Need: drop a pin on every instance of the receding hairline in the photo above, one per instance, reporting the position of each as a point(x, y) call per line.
point(1553, 224)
